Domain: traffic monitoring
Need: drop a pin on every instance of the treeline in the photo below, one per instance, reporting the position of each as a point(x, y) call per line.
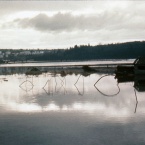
point(128, 50)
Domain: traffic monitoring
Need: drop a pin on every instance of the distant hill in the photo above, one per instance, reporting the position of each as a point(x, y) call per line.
point(128, 50)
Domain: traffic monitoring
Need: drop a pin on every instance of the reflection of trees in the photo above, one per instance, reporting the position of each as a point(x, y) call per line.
point(48, 87)
point(25, 85)
point(49, 84)
point(63, 84)
point(77, 87)
point(115, 93)
point(137, 79)
point(52, 84)
point(57, 84)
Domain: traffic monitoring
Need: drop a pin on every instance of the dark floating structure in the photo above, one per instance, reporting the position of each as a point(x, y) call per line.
point(133, 73)
point(139, 83)
point(33, 71)
point(139, 66)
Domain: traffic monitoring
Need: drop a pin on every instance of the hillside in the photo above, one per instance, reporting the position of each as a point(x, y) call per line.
point(128, 50)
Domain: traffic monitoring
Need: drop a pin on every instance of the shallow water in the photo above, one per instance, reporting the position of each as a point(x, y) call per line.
point(70, 110)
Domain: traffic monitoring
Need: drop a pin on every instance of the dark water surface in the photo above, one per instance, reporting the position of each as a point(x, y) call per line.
point(48, 110)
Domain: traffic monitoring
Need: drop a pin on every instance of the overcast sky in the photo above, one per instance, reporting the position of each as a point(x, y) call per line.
point(61, 24)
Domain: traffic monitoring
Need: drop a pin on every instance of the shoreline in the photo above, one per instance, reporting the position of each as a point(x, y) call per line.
point(64, 68)
point(58, 70)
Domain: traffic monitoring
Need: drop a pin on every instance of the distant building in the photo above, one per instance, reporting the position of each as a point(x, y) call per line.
point(37, 52)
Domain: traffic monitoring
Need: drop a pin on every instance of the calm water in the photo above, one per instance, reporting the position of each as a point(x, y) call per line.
point(51, 110)
point(69, 63)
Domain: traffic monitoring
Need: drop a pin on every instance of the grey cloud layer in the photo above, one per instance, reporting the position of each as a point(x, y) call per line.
point(108, 15)
point(8, 7)
point(105, 22)
point(68, 22)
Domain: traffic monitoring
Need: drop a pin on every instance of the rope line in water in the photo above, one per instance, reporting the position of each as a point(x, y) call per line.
point(104, 93)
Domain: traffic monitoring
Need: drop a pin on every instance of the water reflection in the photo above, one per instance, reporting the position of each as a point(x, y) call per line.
point(47, 92)
point(68, 109)
point(108, 95)
point(80, 92)
point(138, 84)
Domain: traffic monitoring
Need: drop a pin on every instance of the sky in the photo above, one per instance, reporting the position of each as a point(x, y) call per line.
point(63, 24)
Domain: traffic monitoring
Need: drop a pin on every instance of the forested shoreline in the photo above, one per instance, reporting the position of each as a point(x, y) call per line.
point(128, 50)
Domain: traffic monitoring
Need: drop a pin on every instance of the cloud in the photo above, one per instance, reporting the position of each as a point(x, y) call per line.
point(42, 22)
point(74, 16)
point(9, 7)
point(69, 22)
point(22, 24)
point(109, 20)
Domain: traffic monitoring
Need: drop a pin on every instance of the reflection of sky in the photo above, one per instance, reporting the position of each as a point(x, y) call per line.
point(66, 115)
point(61, 95)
